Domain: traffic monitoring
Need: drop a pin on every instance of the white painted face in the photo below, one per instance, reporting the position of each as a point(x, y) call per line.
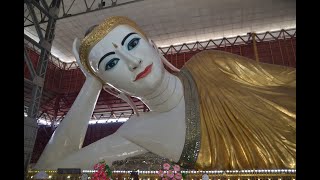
point(134, 66)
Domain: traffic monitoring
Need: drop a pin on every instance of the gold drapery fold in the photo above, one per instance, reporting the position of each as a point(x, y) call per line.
point(247, 112)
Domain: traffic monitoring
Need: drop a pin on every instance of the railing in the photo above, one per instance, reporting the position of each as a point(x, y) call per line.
point(283, 174)
point(229, 41)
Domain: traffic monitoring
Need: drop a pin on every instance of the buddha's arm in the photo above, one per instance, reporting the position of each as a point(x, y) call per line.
point(70, 134)
point(110, 148)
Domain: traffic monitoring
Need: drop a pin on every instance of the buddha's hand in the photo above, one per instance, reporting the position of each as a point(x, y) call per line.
point(75, 50)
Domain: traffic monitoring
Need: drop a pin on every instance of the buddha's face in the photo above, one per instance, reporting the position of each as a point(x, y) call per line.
point(126, 60)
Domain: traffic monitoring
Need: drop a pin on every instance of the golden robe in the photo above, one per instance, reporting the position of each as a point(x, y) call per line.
point(246, 110)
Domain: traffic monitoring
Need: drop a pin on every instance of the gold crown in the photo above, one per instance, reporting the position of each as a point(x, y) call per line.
point(98, 33)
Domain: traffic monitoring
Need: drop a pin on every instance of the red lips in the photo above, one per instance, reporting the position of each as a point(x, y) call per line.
point(144, 73)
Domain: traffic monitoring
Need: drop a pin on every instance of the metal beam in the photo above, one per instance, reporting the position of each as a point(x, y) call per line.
point(28, 81)
point(40, 75)
point(43, 10)
point(43, 62)
point(35, 20)
point(255, 49)
point(30, 127)
point(45, 5)
point(29, 64)
point(26, 17)
point(29, 39)
point(89, 10)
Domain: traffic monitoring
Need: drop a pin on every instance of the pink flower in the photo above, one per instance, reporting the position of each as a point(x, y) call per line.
point(96, 174)
point(170, 174)
point(164, 178)
point(103, 176)
point(101, 173)
point(164, 175)
point(160, 172)
point(176, 167)
point(173, 179)
point(102, 167)
point(166, 166)
point(178, 176)
point(96, 167)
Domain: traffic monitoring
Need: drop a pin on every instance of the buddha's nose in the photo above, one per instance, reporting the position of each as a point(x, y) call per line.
point(132, 61)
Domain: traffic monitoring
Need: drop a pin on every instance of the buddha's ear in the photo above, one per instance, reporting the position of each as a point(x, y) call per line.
point(153, 44)
point(75, 50)
point(163, 59)
point(115, 92)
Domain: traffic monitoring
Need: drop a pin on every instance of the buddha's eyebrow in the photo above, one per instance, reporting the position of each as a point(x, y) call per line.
point(124, 39)
point(104, 56)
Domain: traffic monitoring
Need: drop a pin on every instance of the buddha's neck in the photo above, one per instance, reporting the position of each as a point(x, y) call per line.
point(167, 96)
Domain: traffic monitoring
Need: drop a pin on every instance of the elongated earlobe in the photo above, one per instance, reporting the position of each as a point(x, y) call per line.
point(168, 64)
point(75, 50)
point(163, 59)
point(122, 96)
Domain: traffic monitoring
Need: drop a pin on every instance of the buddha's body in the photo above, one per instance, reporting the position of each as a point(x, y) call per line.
point(222, 111)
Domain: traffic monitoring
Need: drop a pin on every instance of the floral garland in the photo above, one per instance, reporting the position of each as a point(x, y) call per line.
point(171, 172)
point(103, 171)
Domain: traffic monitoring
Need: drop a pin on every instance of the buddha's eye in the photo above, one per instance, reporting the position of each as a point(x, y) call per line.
point(113, 62)
point(133, 43)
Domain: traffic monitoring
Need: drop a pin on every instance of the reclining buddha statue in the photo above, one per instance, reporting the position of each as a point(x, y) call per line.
point(219, 111)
